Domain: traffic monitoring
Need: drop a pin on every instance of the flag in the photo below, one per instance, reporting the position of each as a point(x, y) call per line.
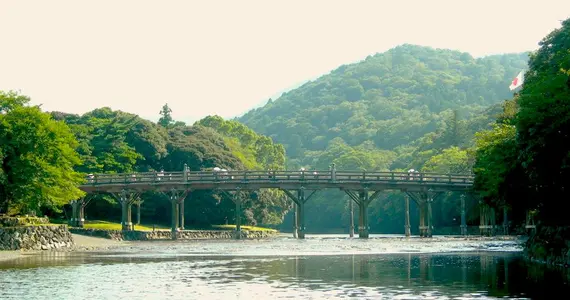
point(518, 81)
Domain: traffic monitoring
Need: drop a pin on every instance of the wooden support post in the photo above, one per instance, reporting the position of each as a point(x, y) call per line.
point(176, 197)
point(505, 222)
point(529, 224)
point(363, 216)
point(74, 213)
point(463, 216)
point(299, 201)
point(237, 201)
point(139, 202)
point(351, 228)
point(301, 213)
point(181, 214)
point(81, 215)
point(82, 205)
point(295, 219)
point(186, 171)
point(422, 226)
point(429, 216)
point(129, 216)
point(174, 225)
point(482, 218)
point(487, 219)
point(125, 211)
point(407, 228)
point(493, 220)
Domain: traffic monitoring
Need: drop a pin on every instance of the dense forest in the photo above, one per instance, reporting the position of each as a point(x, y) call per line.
point(46, 155)
point(523, 161)
point(410, 107)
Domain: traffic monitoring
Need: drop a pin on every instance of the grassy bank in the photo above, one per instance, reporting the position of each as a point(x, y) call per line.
point(233, 227)
point(106, 225)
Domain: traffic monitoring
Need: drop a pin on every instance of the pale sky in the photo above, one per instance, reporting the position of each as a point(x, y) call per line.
point(225, 57)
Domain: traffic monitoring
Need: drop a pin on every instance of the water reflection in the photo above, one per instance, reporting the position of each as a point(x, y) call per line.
point(408, 276)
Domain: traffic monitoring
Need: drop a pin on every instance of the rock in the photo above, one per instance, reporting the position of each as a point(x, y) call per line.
point(35, 237)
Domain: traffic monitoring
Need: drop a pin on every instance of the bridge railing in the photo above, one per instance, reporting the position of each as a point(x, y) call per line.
point(281, 176)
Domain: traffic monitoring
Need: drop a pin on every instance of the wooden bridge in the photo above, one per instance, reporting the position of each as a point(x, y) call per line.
point(299, 186)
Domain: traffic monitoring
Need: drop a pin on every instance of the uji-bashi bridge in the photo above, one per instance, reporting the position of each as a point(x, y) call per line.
point(299, 186)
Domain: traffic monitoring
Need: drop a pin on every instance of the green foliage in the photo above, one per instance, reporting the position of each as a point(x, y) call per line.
point(543, 125)
point(496, 159)
point(389, 99)
point(256, 151)
point(166, 117)
point(38, 159)
point(10, 100)
point(410, 107)
point(451, 161)
point(115, 141)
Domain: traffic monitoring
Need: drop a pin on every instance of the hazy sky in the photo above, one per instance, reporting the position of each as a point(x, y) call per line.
point(225, 57)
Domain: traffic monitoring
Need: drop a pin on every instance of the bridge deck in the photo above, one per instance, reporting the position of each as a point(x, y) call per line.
point(291, 180)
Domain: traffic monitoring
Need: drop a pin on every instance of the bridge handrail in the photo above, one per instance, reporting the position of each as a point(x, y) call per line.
point(278, 175)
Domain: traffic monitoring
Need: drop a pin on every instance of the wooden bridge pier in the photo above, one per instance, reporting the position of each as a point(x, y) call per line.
point(530, 224)
point(463, 216)
point(351, 227)
point(176, 198)
point(363, 199)
point(74, 212)
point(126, 199)
point(299, 201)
point(237, 201)
point(138, 202)
point(486, 219)
point(425, 200)
point(78, 210)
point(505, 221)
point(407, 227)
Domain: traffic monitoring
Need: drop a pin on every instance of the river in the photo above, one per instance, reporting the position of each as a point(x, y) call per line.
point(319, 267)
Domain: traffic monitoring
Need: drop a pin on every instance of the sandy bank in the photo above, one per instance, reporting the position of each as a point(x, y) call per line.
point(8, 255)
point(85, 243)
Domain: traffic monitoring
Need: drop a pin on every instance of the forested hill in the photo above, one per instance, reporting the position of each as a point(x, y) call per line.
point(397, 101)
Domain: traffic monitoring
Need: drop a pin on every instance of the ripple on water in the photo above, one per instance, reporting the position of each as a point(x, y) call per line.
point(284, 268)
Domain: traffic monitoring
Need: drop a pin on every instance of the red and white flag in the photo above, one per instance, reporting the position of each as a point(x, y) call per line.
point(518, 81)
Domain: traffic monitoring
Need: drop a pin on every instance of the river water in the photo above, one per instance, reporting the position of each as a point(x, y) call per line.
point(319, 267)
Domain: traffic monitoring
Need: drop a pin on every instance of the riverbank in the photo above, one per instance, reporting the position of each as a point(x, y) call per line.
point(81, 243)
point(9, 255)
point(549, 245)
point(136, 235)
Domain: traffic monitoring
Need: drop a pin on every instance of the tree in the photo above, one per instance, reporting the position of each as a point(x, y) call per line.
point(496, 159)
point(38, 158)
point(543, 125)
point(166, 118)
point(451, 161)
point(10, 100)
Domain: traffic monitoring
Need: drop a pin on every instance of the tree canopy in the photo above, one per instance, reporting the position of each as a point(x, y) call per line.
point(115, 141)
point(38, 158)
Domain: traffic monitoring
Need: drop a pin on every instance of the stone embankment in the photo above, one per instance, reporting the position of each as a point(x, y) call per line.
point(40, 237)
point(167, 235)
